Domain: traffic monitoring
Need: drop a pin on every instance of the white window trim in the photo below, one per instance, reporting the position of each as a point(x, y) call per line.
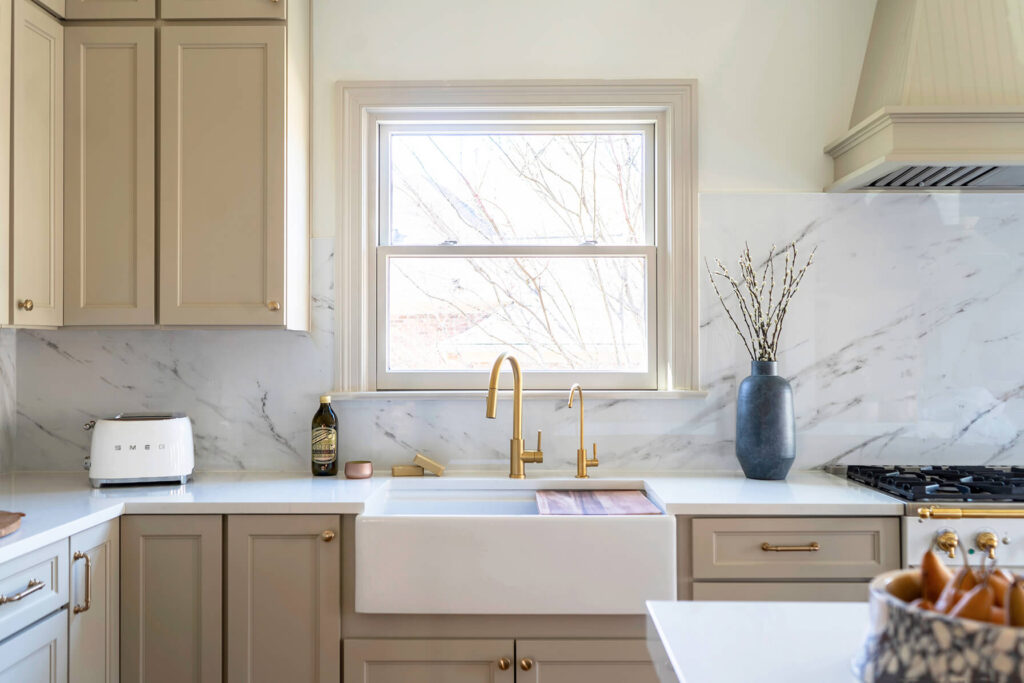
point(671, 103)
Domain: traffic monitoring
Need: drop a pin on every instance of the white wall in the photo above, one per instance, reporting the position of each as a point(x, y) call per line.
point(777, 78)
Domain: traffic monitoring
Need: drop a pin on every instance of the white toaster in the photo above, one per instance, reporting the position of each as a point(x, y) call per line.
point(140, 447)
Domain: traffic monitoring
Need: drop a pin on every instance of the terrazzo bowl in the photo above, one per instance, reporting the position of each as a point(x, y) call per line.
point(908, 645)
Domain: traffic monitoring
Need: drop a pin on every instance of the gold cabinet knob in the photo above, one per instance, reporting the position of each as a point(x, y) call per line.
point(327, 536)
point(26, 305)
point(525, 663)
point(947, 541)
point(987, 542)
point(273, 305)
point(504, 663)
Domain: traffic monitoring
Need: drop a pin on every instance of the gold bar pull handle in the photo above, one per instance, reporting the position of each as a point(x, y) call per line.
point(933, 512)
point(33, 586)
point(79, 555)
point(809, 548)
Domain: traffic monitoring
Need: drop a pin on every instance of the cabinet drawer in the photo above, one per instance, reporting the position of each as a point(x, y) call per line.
point(38, 654)
point(844, 547)
point(41, 578)
point(791, 591)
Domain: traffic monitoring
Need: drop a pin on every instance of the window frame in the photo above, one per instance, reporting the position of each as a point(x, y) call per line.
point(510, 121)
point(372, 112)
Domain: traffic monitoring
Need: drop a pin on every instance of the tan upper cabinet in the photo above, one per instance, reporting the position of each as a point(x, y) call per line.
point(94, 631)
point(292, 630)
point(223, 9)
point(222, 166)
point(109, 231)
point(110, 9)
point(55, 6)
point(38, 167)
point(171, 585)
point(429, 661)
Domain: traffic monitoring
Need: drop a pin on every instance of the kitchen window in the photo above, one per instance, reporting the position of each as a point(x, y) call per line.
point(489, 221)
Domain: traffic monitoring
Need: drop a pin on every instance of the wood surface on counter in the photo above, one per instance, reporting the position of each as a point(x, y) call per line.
point(581, 502)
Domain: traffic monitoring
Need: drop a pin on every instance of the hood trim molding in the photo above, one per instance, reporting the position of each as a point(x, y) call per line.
point(899, 136)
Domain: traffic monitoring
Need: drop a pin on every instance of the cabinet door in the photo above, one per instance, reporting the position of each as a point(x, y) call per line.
point(283, 579)
point(93, 643)
point(109, 234)
point(223, 9)
point(222, 186)
point(38, 167)
point(171, 573)
point(38, 654)
point(594, 661)
point(429, 661)
point(110, 9)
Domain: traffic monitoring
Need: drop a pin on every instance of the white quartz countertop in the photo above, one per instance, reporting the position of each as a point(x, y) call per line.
point(60, 504)
point(767, 642)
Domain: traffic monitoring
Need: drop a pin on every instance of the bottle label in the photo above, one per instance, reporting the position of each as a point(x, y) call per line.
point(325, 445)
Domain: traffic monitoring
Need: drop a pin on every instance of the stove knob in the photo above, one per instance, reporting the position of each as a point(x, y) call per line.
point(947, 541)
point(987, 542)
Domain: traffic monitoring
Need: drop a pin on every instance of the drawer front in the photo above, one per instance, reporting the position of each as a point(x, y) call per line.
point(38, 654)
point(791, 591)
point(795, 548)
point(40, 578)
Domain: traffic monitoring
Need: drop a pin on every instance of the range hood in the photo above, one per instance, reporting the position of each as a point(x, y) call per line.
point(940, 103)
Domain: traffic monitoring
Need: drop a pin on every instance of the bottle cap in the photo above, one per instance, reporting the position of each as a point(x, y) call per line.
point(325, 398)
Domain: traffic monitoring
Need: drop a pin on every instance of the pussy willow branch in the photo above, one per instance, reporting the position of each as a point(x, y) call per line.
point(762, 318)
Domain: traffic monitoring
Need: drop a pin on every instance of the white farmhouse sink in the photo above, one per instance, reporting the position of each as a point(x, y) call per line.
point(475, 546)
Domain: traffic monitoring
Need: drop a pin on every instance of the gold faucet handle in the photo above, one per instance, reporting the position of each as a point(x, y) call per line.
point(534, 456)
point(592, 462)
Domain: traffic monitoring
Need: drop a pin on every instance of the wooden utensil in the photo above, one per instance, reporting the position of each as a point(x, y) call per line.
point(9, 522)
point(584, 502)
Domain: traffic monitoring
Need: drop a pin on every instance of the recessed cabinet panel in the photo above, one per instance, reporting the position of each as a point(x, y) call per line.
point(222, 187)
point(109, 176)
point(94, 632)
point(223, 9)
point(38, 654)
point(593, 661)
point(110, 9)
point(171, 588)
point(429, 661)
point(283, 578)
point(38, 167)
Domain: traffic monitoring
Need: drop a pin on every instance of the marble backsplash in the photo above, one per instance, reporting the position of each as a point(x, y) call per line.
point(902, 346)
point(8, 398)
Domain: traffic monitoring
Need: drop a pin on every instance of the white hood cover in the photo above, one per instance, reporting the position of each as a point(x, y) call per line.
point(940, 104)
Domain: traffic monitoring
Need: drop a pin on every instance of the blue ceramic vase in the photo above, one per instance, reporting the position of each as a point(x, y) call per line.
point(765, 429)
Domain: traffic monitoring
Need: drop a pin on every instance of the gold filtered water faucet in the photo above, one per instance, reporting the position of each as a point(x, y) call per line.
point(518, 455)
point(582, 461)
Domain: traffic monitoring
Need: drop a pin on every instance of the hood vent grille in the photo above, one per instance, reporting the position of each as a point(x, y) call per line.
point(915, 177)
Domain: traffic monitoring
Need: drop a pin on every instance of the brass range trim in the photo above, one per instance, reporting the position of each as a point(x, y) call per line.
point(933, 512)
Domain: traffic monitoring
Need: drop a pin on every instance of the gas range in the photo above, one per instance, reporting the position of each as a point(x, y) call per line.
point(969, 484)
point(972, 510)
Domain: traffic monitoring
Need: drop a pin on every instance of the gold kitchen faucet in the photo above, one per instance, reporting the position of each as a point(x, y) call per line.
point(518, 456)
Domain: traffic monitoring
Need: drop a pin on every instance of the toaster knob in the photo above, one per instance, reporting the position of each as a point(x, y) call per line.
point(89, 425)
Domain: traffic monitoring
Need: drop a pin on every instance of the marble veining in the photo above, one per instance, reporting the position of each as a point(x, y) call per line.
point(901, 348)
point(8, 398)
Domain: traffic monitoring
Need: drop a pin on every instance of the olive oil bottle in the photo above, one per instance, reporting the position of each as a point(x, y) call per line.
point(325, 440)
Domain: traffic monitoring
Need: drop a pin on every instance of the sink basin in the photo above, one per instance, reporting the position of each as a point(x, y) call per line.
point(481, 547)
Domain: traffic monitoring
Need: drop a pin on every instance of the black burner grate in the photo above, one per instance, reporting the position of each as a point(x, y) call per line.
point(964, 484)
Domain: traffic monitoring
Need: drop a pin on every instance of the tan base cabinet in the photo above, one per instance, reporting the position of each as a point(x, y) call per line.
point(589, 661)
point(171, 623)
point(429, 661)
point(283, 583)
point(792, 591)
point(38, 654)
point(94, 631)
point(498, 661)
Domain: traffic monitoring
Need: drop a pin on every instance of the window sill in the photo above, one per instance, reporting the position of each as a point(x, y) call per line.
point(538, 394)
